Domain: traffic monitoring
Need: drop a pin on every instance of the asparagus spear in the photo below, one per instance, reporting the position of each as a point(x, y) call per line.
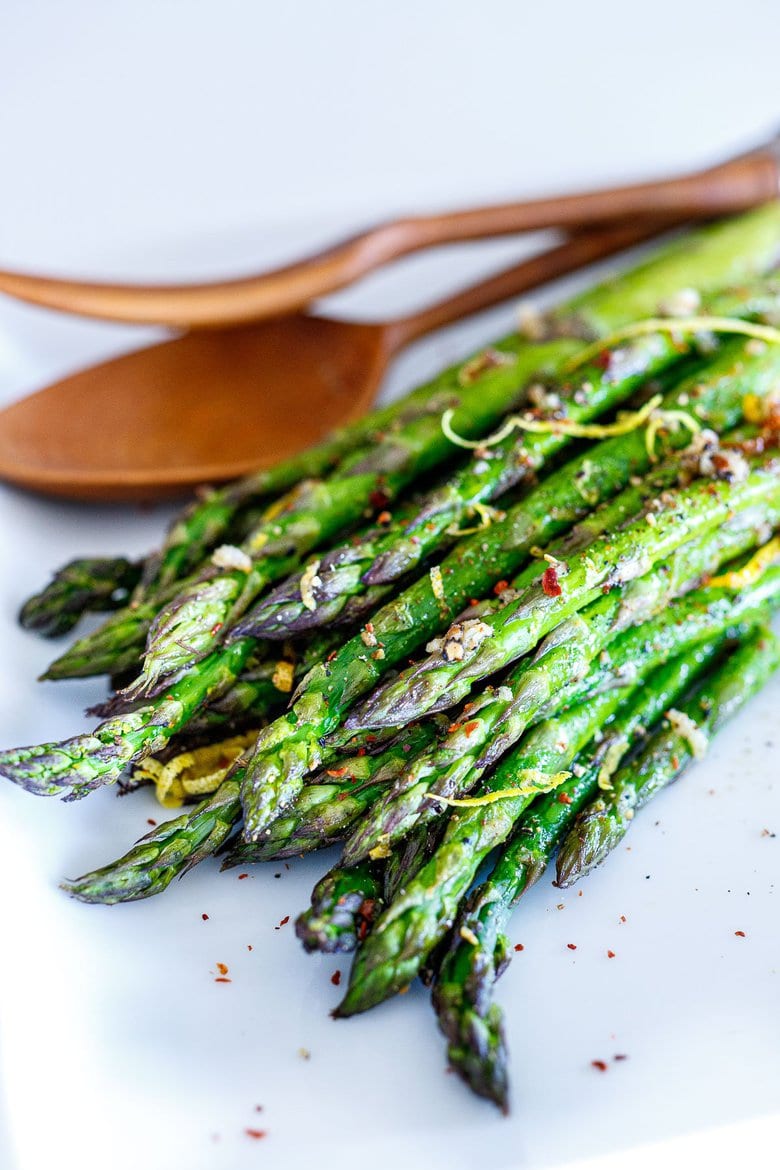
point(562, 672)
point(166, 852)
point(288, 748)
point(346, 901)
point(408, 930)
point(76, 766)
point(474, 649)
point(353, 578)
point(343, 905)
point(87, 584)
point(115, 646)
point(601, 826)
point(478, 951)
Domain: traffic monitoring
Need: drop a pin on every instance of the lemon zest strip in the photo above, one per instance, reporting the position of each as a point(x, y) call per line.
point(702, 324)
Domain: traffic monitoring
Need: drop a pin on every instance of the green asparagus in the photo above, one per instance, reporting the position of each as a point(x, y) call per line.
point(418, 919)
point(601, 826)
point(479, 952)
point(90, 584)
point(473, 649)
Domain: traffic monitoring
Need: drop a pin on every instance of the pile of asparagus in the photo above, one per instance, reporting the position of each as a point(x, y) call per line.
point(485, 624)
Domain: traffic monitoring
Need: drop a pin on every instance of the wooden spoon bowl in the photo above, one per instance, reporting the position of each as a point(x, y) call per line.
point(201, 408)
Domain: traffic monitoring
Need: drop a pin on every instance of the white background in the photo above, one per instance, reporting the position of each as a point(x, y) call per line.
point(169, 139)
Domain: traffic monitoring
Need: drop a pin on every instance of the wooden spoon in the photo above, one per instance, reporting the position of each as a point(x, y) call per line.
point(741, 182)
point(210, 406)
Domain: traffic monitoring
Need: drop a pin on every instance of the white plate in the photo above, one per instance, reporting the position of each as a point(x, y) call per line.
point(120, 1050)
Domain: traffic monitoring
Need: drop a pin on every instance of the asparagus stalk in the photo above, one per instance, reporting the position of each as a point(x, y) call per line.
point(562, 672)
point(344, 903)
point(74, 767)
point(353, 578)
point(166, 852)
point(116, 647)
point(287, 749)
point(89, 584)
point(601, 826)
point(408, 930)
point(474, 649)
point(478, 951)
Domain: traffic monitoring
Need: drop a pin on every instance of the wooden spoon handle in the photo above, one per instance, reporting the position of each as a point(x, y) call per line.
point(582, 249)
point(733, 186)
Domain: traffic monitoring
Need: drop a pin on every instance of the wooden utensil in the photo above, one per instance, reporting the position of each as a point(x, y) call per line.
point(210, 406)
point(733, 186)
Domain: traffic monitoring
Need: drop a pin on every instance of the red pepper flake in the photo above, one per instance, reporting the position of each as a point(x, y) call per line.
point(610, 954)
point(602, 360)
point(222, 979)
point(622, 918)
point(601, 1065)
point(564, 799)
point(379, 499)
point(499, 587)
point(550, 582)
point(675, 762)
point(572, 946)
point(216, 628)
point(362, 751)
point(739, 933)
point(151, 821)
point(256, 1133)
point(241, 876)
point(471, 726)
point(620, 1056)
point(335, 978)
point(331, 656)
point(205, 917)
point(453, 727)
point(519, 947)
point(222, 968)
point(249, 946)
point(366, 915)
point(284, 922)
point(384, 517)
point(472, 601)
point(337, 772)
